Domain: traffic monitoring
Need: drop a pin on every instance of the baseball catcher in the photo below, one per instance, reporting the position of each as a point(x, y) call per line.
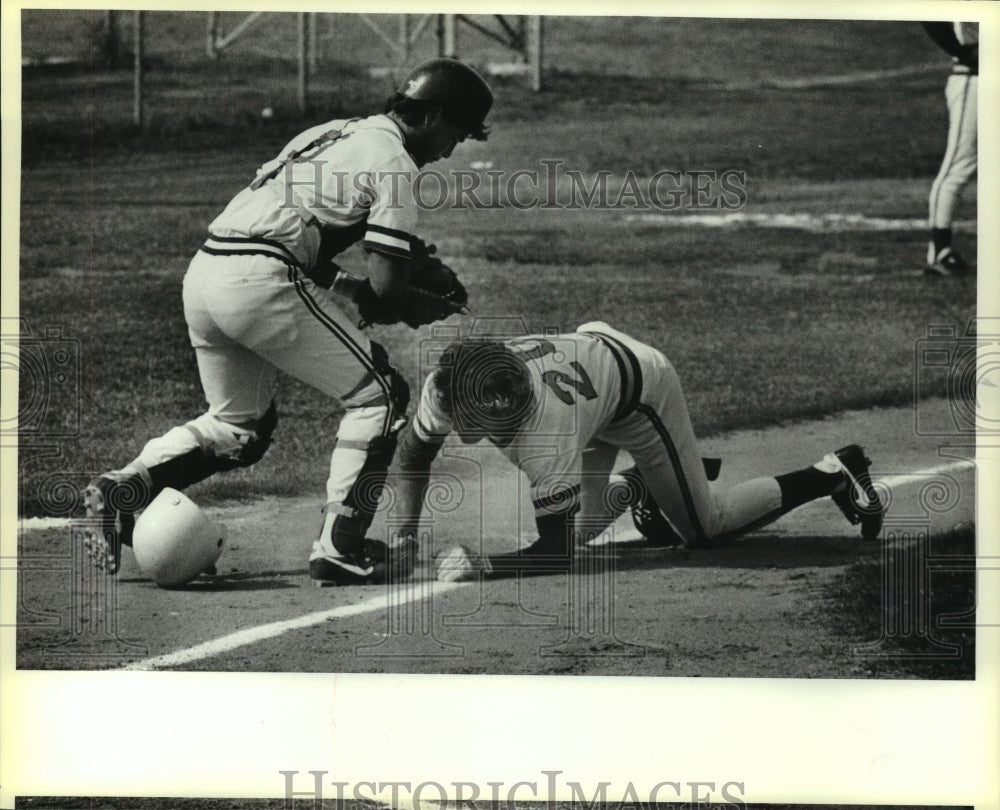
point(560, 407)
point(257, 300)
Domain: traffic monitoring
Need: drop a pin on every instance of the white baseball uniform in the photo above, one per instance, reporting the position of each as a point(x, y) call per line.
point(959, 163)
point(597, 391)
point(255, 302)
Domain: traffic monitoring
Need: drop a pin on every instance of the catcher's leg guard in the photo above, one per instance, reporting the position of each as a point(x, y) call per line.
point(181, 457)
point(359, 465)
point(358, 470)
point(191, 453)
point(355, 512)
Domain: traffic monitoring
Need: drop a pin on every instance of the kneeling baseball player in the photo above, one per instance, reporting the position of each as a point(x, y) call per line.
point(560, 408)
point(257, 301)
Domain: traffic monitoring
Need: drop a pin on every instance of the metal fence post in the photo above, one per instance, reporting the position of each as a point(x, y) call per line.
point(303, 62)
point(535, 56)
point(138, 101)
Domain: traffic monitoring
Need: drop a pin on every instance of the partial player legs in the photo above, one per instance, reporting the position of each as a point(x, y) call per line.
point(959, 163)
point(366, 443)
point(235, 432)
point(842, 475)
point(312, 339)
point(958, 167)
point(249, 317)
point(661, 440)
point(182, 456)
point(697, 510)
point(239, 387)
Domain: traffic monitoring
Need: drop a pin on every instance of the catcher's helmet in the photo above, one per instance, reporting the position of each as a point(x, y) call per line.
point(464, 96)
point(174, 541)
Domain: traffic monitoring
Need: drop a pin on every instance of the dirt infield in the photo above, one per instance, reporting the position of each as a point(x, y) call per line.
point(758, 607)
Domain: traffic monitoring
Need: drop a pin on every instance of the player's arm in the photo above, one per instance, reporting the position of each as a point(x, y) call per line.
point(387, 275)
point(555, 498)
point(555, 548)
point(388, 237)
point(387, 278)
point(405, 283)
point(556, 532)
point(416, 457)
point(419, 445)
point(551, 553)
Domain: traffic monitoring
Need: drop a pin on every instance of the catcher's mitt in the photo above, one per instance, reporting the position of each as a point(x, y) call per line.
point(433, 293)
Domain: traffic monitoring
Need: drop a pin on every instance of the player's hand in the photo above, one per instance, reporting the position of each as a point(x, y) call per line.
point(461, 564)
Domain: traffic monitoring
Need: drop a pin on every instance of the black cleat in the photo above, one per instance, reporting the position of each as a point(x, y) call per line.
point(855, 496)
point(646, 515)
point(947, 264)
point(377, 563)
point(327, 571)
point(109, 526)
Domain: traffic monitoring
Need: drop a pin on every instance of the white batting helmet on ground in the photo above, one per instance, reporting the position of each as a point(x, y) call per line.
point(174, 541)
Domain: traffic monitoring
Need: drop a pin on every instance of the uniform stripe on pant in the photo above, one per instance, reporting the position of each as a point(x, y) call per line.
point(702, 536)
point(675, 463)
point(956, 145)
point(632, 388)
point(366, 361)
point(248, 246)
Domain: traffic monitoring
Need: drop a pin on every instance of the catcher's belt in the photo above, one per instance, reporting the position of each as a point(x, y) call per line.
point(322, 274)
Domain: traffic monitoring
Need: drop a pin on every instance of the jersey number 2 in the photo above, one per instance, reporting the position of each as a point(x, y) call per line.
point(584, 387)
point(556, 379)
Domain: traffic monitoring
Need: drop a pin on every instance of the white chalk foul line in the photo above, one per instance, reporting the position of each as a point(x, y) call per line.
point(34, 524)
point(857, 77)
point(893, 481)
point(253, 635)
point(836, 223)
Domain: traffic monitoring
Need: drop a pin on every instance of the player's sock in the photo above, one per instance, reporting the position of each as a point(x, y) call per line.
point(940, 239)
point(806, 485)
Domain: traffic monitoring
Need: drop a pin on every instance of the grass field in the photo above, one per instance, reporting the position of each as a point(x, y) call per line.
point(620, 93)
point(675, 47)
point(761, 328)
point(765, 325)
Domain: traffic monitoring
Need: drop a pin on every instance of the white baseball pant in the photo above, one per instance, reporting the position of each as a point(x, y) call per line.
point(660, 438)
point(251, 316)
point(960, 158)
